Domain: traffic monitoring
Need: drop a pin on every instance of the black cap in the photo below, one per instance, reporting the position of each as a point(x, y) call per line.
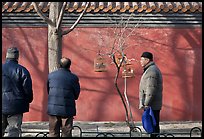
point(147, 55)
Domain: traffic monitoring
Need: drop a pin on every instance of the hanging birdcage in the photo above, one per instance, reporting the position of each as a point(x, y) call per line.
point(100, 64)
point(128, 71)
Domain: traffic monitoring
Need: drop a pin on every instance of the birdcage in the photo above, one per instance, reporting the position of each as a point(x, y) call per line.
point(128, 71)
point(100, 64)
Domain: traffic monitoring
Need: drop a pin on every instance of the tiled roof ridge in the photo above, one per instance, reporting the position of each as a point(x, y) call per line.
point(109, 7)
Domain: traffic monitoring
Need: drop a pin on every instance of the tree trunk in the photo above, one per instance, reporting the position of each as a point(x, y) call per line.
point(54, 37)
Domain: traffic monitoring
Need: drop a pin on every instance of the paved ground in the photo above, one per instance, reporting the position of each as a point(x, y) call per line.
point(117, 129)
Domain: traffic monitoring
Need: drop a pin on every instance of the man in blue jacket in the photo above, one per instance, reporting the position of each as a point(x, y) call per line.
point(63, 89)
point(17, 93)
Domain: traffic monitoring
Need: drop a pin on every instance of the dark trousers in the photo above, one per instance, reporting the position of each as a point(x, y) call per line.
point(57, 122)
point(157, 118)
point(13, 123)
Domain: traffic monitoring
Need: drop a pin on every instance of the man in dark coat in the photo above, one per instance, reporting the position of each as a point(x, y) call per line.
point(63, 89)
point(17, 93)
point(150, 88)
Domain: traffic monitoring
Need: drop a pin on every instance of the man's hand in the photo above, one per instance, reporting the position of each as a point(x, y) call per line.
point(143, 107)
point(146, 107)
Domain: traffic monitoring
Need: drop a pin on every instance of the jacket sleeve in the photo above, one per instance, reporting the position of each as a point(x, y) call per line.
point(76, 87)
point(141, 99)
point(27, 85)
point(151, 87)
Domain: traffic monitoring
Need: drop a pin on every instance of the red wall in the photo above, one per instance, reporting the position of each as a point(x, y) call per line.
point(178, 53)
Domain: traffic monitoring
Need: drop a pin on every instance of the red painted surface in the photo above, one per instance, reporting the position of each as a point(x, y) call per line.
point(178, 53)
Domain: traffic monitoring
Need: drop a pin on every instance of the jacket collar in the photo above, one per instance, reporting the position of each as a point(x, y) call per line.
point(148, 65)
point(65, 69)
point(11, 60)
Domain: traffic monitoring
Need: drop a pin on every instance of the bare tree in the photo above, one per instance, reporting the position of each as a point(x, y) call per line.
point(115, 50)
point(55, 32)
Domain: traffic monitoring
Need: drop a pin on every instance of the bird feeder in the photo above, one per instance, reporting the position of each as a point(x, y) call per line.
point(100, 64)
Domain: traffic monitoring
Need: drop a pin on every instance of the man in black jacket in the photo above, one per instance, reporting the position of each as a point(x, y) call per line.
point(17, 93)
point(63, 89)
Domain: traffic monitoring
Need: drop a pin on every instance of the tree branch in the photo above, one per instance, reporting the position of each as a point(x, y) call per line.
point(118, 90)
point(76, 22)
point(40, 13)
point(59, 21)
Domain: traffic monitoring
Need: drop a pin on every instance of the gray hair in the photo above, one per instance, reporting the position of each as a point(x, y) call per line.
point(12, 53)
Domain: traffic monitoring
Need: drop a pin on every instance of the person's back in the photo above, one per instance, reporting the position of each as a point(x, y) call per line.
point(16, 93)
point(63, 89)
point(63, 92)
point(14, 98)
